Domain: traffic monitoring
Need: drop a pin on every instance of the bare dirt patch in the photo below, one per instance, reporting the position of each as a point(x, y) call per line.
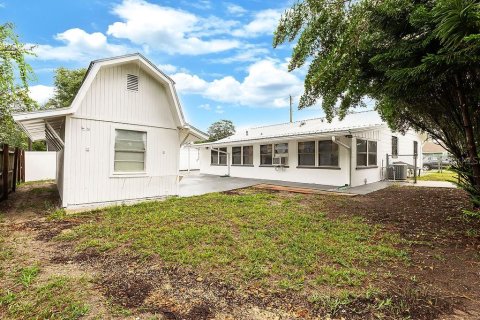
point(441, 280)
point(444, 245)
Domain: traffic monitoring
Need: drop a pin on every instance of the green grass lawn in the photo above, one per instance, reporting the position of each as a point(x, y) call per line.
point(276, 240)
point(434, 175)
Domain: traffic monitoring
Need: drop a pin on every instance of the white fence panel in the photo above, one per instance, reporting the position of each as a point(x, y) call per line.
point(40, 165)
point(189, 158)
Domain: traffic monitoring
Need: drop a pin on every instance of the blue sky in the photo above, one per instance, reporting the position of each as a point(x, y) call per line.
point(219, 52)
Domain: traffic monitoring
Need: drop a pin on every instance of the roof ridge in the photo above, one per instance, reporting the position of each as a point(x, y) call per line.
point(299, 121)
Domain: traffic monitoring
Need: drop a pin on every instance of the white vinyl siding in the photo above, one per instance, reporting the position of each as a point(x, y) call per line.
point(130, 148)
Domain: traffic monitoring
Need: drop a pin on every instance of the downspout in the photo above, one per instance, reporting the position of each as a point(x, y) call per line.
point(349, 148)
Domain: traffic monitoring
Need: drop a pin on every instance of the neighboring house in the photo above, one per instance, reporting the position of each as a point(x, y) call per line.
point(348, 152)
point(120, 139)
point(433, 150)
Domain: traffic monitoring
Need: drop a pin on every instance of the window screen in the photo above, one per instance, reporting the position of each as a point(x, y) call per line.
point(362, 152)
point(372, 153)
point(327, 153)
point(394, 146)
point(236, 155)
point(222, 156)
point(130, 149)
point(266, 154)
point(214, 156)
point(248, 155)
point(306, 153)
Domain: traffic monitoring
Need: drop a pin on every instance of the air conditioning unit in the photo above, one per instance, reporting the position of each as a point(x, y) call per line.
point(280, 160)
point(397, 171)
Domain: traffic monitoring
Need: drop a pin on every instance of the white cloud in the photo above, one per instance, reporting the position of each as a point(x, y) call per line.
point(167, 68)
point(205, 106)
point(235, 9)
point(219, 110)
point(169, 30)
point(41, 93)
point(264, 22)
point(79, 46)
point(267, 84)
point(248, 55)
point(189, 83)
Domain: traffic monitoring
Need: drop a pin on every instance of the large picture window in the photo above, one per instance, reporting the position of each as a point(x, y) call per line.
point(218, 156)
point(130, 148)
point(327, 153)
point(306, 153)
point(366, 153)
point(242, 155)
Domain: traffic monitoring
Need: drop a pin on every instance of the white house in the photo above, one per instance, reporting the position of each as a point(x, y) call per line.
point(349, 152)
point(120, 139)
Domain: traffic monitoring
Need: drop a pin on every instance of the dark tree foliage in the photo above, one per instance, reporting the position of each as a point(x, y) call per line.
point(418, 59)
point(220, 129)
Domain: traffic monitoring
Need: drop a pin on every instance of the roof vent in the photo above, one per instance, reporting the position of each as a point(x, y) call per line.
point(302, 123)
point(246, 133)
point(132, 82)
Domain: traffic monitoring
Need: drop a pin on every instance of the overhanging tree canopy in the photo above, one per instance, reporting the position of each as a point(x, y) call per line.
point(14, 76)
point(419, 60)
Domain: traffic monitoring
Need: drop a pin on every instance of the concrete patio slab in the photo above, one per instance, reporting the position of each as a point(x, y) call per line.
point(370, 187)
point(434, 184)
point(197, 184)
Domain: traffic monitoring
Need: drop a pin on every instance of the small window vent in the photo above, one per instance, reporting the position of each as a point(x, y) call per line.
point(132, 82)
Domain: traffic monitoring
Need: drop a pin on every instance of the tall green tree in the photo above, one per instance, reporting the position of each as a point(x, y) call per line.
point(418, 59)
point(15, 73)
point(67, 84)
point(220, 129)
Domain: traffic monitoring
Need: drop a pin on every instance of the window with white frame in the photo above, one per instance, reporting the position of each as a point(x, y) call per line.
point(366, 153)
point(237, 155)
point(266, 154)
point(247, 155)
point(394, 147)
point(327, 153)
point(130, 149)
point(214, 156)
point(242, 155)
point(372, 153)
point(306, 153)
point(269, 151)
point(218, 156)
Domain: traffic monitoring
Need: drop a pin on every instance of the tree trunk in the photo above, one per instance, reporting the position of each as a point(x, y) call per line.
point(469, 134)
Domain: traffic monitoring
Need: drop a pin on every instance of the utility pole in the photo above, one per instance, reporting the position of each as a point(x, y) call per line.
point(291, 109)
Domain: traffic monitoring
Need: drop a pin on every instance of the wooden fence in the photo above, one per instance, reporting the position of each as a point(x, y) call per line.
point(12, 169)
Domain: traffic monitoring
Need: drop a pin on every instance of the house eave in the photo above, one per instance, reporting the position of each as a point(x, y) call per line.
point(292, 136)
